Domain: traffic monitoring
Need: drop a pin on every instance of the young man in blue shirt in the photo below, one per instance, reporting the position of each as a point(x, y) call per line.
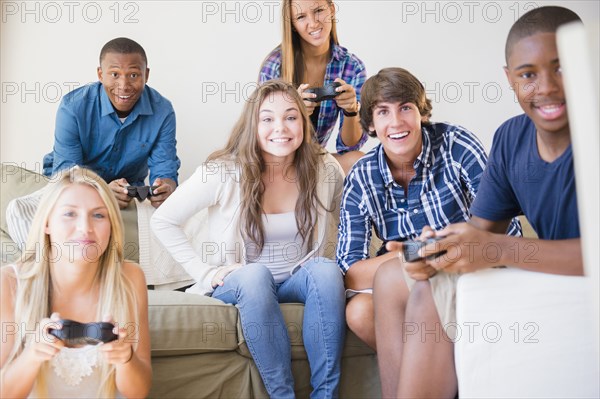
point(119, 127)
point(530, 172)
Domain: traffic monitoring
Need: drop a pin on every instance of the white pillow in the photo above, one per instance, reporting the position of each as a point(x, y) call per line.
point(19, 215)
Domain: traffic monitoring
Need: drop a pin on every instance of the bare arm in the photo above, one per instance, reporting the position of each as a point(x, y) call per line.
point(18, 377)
point(483, 244)
point(351, 131)
point(134, 377)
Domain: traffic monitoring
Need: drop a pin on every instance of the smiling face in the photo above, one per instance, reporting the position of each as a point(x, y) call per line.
point(398, 127)
point(534, 72)
point(280, 131)
point(312, 20)
point(79, 226)
point(123, 77)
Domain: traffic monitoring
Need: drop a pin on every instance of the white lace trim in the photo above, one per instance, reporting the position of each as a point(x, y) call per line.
point(72, 364)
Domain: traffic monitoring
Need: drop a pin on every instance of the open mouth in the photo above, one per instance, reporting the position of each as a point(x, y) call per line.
point(550, 111)
point(398, 136)
point(316, 32)
point(280, 140)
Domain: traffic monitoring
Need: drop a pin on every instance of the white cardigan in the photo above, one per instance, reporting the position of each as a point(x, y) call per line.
point(199, 223)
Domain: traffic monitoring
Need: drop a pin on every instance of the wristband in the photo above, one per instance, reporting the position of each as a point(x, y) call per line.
point(351, 114)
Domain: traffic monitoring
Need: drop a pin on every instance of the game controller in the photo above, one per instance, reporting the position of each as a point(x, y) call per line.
point(411, 249)
point(75, 333)
point(326, 92)
point(141, 192)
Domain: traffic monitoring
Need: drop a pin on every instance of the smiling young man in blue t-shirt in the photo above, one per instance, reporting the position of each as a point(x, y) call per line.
point(530, 171)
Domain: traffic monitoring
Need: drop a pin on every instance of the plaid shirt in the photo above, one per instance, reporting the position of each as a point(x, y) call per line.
point(342, 65)
point(448, 172)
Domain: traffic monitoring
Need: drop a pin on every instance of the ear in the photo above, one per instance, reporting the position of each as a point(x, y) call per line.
point(506, 72)
point(99, 72)
point(47, 229)
point(332, 10)
point(147, 74)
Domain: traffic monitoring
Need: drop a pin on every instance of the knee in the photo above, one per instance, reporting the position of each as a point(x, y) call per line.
point(251, 276)
point(325, 271)
point(359, 313)
point(420, 291)
point(389, 277)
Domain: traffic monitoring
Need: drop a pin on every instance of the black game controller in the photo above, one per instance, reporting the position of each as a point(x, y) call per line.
point(141, 192)
point(326, 92)
point(411, 249)
point(75, 333)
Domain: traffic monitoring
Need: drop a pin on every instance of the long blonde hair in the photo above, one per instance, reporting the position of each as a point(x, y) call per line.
point(292, 59)
point(33, 297)
point(244, 149)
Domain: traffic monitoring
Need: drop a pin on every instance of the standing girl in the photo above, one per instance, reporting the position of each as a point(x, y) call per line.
point(310, 56)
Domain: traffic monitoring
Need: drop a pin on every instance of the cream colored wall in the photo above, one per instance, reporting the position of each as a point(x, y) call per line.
point(205, 55)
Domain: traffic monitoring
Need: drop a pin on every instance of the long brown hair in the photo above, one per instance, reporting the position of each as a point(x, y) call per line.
point(244, 150)
point(292, 60)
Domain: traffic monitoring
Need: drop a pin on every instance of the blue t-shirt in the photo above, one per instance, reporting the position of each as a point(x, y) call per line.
point(89, 133)
point(517, 181)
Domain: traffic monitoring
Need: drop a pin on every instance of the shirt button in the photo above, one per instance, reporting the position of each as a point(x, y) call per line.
point(403, 201)
point(416, 211)
point(428, 165)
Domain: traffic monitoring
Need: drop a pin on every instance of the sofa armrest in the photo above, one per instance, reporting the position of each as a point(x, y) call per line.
point(525, 334)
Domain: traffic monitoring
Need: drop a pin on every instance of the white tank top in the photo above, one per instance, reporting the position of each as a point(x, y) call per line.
point(283, 247)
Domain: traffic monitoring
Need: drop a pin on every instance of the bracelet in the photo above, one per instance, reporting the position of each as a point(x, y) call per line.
point(351, 114)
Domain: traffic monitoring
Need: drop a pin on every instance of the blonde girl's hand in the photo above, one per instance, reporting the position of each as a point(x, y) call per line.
point(120, 351)
point(223, 272)
point(310, 106)
point(346, 100)
point(45, 345)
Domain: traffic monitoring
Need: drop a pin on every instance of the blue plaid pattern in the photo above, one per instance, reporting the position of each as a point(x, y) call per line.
point(448, 172)
point(342, 64)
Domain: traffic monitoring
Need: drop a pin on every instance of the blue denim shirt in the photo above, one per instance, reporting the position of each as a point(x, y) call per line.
point(89, 133)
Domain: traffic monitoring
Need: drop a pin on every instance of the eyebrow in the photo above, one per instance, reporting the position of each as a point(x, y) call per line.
point(554, 61)
point(287, 110)
point(77, 206)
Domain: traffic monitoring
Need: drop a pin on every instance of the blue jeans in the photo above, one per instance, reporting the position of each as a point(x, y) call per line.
point(318, 285)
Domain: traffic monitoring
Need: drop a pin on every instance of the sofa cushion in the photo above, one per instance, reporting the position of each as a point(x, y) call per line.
point(183, 324)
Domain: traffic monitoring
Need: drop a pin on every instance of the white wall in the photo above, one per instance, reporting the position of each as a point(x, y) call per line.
point(205, 55)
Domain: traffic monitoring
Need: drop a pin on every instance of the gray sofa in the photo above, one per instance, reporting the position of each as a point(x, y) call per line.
point(198, 349)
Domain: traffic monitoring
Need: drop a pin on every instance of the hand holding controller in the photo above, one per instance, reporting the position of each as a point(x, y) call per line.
point(411, 249)
point(141, 192)
point(75, 333)
point(326, 92)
